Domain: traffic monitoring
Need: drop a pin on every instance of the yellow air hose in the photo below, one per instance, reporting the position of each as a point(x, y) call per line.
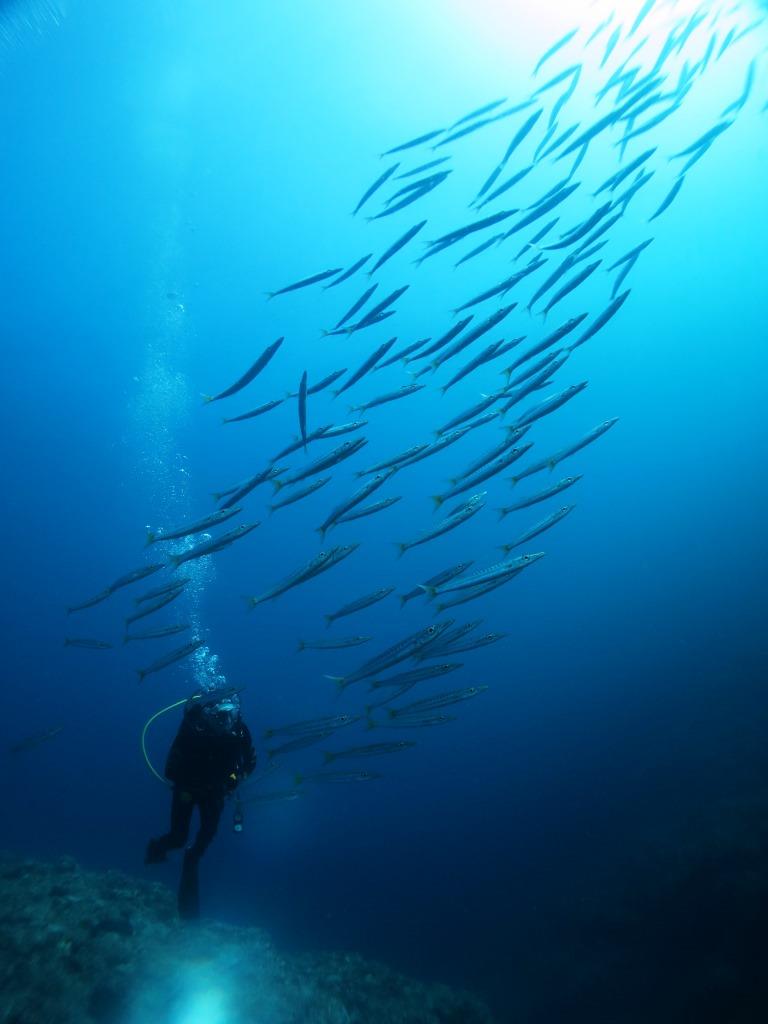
point(162, 711)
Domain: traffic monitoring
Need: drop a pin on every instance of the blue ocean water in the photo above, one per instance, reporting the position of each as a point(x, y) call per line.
point(597, 816)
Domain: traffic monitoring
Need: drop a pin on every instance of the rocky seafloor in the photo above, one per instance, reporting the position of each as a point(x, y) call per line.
point(80, 947)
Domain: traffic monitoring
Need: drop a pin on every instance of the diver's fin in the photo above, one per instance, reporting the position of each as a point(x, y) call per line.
point(189, 888)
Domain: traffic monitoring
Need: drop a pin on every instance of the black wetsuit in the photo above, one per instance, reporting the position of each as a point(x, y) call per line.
point(204, 765)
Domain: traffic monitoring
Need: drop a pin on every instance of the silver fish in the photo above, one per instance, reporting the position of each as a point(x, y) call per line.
point(474, 643)
point(443, 441)
point(390, 396)
point(540, 527)
point(441, 700)
point(493, 240)
point(338, 777)
point(306, 281)
point(374, 315)
point(244, 489)
point(320, 563)
point(571, 284)
point(704, 140)
point(482, 474)
point(549, 405)
point(408, 647)
point(343, 451)
point(601, 320)
point(552, 460)
point(478, 112)
point(157, 634)
point(418, 141)
point(30, 742)
point(363, 492)
point(499, 570)
point(335, 644)
point(367, 365)
point(199, 526)
point(148, 607)
point(355, 606)
point(461, 515)
point(170, 658)
point(415, 675)
point(423, 167)
point(348, 273)
point(503, 287)
point(435, 581)
point(394, 460)
point(354, 308)
point(474, 333)
point(299, 493)
point(616, 179)
point(451, 237)
point(209, 547)
point(493, 351)
point(443, 340)
point(86, 643)
point(303, 408)
point(542, 208)
point(375, 187)
point(300, 742)
point(369, 510)
point(563, 41)
point(403, 353)
point(396, 246)
point(370, 750)
point(267, 407)
point(175, 584)
point(521, 134)
point(249, 374)
point(475, 126)
point(414, 721)
point(513, 435)
point(668, 199)
point(534, 499)
point(469, 414)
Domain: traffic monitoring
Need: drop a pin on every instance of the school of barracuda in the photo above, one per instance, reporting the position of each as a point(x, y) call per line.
point(640, 77)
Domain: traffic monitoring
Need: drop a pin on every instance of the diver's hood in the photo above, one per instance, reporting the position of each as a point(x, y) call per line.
point(221, 716)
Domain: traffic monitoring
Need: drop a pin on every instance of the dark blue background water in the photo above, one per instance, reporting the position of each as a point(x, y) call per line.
point(552, 831)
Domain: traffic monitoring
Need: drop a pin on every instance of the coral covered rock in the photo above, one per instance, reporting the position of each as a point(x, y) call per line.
point(78, 947)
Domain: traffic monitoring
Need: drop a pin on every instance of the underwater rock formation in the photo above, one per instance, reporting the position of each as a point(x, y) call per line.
point(80, 947)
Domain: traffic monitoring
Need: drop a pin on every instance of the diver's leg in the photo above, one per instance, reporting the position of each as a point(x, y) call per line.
point(182, 806)
point(210, 807)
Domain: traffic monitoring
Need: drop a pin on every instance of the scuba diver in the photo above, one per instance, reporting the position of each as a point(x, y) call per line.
point(210, 755)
